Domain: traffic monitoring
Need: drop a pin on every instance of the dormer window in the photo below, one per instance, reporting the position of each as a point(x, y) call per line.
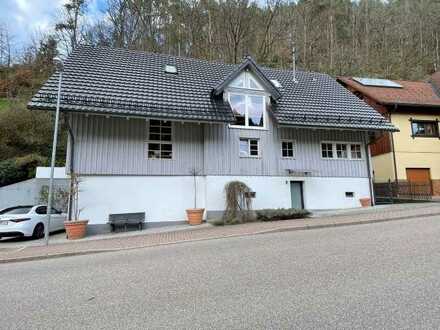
point(248, 101)
point(246, 81)
point(249, 110)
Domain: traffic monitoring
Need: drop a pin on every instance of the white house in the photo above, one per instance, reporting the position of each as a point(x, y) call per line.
point(143, 123)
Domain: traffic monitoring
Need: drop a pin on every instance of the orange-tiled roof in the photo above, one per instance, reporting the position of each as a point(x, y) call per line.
point(413, 92)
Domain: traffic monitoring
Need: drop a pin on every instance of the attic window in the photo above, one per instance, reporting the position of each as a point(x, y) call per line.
point(170, 69)
point(245, 81)
point(276, 83)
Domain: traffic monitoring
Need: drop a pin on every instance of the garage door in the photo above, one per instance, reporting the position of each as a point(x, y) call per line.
point(418, 175)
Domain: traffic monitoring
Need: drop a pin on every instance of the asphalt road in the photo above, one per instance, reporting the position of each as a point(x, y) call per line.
point(379, 276)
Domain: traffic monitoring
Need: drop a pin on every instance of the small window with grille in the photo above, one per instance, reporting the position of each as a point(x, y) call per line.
point(249, 148)
point(160, 140)
point(288, 149)
point(327, 150)
point(356, 152)
point(341, 151)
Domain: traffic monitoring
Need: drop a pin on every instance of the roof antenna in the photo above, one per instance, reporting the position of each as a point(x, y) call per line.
point(293, 59)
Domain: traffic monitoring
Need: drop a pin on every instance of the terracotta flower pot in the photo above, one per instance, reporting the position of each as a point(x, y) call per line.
point(365, 202)
point(76, 229)
point(195, 216)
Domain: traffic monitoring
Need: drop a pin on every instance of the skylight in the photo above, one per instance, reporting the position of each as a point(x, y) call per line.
point(170, 69)
point(276, 83)
point(377, 82)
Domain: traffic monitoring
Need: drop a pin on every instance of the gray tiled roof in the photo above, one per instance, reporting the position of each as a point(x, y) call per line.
point(123, 82)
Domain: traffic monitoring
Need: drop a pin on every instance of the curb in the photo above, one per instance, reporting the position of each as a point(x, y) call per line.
point(268, 231)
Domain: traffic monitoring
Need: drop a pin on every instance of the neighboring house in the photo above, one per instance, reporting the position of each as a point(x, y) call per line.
point(413, 153)
point(141, 123)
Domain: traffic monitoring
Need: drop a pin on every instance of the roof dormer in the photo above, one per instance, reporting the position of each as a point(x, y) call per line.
point(248, 75)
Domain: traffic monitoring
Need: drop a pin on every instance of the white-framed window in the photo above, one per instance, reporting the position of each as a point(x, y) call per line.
point(247, 99)
point(160, 137)
point(249, 110)
point(326, 150)
point(356, 151)
point(287, 149)
point(249, 147)
point(246, 81)
point(341, 150)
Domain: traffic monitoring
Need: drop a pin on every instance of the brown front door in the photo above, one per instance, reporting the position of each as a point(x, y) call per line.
point(418, 175)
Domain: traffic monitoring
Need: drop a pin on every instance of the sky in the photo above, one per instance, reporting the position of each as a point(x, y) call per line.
point(27, 18)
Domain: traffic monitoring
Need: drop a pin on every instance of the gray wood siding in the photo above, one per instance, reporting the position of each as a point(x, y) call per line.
point(222, 152)
point(117, 146)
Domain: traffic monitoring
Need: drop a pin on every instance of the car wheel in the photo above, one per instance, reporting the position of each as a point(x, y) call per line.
point(38, 231)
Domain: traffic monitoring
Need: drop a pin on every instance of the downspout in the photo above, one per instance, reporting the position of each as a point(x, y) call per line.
point(71, 162)
point(370, 178)
point(394, 155)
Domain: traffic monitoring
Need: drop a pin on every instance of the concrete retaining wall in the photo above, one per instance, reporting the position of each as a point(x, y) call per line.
point(27, 192)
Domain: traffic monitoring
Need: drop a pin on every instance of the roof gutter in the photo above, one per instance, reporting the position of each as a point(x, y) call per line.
point(130, 115)
point(396, 104)
point(346, 128)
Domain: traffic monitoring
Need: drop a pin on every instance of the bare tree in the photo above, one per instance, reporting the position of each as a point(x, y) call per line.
point(5, 46)
point(69, 28)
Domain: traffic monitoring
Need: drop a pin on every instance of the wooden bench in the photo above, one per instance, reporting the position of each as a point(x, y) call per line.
point(124, 219)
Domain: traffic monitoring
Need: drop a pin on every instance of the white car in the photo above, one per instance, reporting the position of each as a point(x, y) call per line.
point(29, 221)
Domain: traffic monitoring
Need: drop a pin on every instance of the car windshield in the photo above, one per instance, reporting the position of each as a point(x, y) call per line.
point(16, 210)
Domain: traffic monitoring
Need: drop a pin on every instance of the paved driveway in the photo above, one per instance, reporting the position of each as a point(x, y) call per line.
point(382, 275)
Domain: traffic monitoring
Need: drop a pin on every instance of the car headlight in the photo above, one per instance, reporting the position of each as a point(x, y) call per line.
point(20, 220)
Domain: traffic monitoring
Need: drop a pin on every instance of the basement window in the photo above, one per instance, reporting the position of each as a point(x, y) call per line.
point(349, 194)
point(160, 140)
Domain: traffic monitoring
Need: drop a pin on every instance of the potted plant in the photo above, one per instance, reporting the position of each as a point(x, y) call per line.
point(195, 215)
point(75, 228)
point(365, 202)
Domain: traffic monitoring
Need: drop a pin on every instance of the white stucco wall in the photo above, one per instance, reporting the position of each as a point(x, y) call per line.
point(162, 198)
point(44, 173)
point(274, 192)
point(166, 198)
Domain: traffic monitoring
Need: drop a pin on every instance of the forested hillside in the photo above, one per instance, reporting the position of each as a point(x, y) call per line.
point(397, 39)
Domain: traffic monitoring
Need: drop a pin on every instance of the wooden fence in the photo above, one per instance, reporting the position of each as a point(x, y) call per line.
point(394, 192)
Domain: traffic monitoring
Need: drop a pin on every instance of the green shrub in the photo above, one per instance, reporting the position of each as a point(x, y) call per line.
point(281, 214)
point(260, 215)
point(19, 168)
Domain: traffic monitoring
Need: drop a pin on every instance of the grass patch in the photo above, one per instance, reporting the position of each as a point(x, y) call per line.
point(4, 103)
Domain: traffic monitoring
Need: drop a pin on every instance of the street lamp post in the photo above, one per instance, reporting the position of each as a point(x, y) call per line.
point(60, 66)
